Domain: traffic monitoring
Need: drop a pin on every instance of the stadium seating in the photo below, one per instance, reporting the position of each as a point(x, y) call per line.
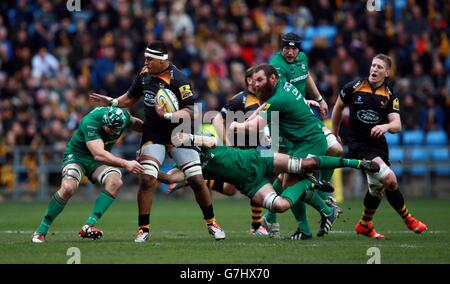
point(397, 155)
point(413, 137)
point(436, 138)
point(418, 156)
point(392, 139)
point(440, 155)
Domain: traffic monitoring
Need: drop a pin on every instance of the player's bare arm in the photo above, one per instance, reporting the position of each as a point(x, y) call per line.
point(175, 176)
point(336, 117)
point(97, 149)
point(394, 126)
point(254, 124)
point(197, 140)
point(137, 124)
point(312, 89)
point(123, 101)
point(219, 124)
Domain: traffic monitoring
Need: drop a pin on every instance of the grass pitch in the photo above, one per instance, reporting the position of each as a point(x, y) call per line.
point(180, 237)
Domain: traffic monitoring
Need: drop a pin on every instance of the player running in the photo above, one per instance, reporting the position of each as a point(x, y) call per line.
point(374, 110)
point(88, 153)
point(160, 73)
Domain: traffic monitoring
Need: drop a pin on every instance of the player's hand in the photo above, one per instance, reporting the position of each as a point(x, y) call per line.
point(378, 130)
point(234, 126)
point(180, 139)
point(134, 167)
point(313, 103)
point(160, 109)
point(100, 99)
point(323, 107)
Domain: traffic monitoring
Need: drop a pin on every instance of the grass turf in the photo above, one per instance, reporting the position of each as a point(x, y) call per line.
point(179, 235)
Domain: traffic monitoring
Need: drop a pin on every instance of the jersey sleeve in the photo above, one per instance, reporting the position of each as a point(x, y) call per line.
point(185, 95)
point(347, 92)
point(91, 130)
point(394, 103)
point(232, 105)
point(136, 90)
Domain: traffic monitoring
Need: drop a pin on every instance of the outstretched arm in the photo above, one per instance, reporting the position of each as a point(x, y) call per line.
point(123, 101)
point(97, 149)
point(175, 176)
point(194, 140)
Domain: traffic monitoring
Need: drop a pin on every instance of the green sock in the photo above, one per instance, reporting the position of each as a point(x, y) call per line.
point(315, 200)
point(299, 211)
point(271, 217)
point(55, 206)
point(330, 163)
point(102, 203)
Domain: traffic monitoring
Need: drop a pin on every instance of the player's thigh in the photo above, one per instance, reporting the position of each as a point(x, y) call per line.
point(72, 174)
point(385, 175)
point(151, 158)
point(188, 160)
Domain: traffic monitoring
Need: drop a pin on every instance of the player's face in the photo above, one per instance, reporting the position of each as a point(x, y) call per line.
point(263, 86)
point(290, 53)
point(378, 71)
point(250, 84)
point(153, 65)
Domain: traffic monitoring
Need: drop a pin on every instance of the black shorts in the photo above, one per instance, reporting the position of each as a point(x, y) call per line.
point(368, 150)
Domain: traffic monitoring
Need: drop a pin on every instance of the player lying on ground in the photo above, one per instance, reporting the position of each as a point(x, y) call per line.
point(248, 171)
point(88, 153)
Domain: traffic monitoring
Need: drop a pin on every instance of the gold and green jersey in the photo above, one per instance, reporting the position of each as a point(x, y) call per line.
point(295, 73)
point(91, 128)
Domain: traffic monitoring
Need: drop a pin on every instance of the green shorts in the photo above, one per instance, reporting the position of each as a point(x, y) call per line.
point(87, 163)
point(256, 175)
point(317, 147)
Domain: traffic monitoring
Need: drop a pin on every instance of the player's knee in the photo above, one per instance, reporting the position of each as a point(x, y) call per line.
point(113, 185)
point(336, 150)
point(390, 182)
point(229, 189)
point(281, 205)
point(68, 189)
point(147, 182)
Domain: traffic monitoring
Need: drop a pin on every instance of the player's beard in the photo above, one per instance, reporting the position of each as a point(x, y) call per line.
point(265, 92)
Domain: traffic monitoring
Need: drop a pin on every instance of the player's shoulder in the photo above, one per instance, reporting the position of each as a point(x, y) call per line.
point(302, 56)
point(143, 71)
point(276, 59)
point(177, 76)
point(354, 84)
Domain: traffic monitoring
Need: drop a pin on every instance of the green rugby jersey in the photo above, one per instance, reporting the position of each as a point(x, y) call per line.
point(297, 122)
point(295, 73)
point(91, 128)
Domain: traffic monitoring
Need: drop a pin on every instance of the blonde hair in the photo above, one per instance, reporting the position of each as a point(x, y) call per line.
point(386, 59)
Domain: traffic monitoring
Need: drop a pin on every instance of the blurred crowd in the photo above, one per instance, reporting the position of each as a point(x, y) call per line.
point(51, 59)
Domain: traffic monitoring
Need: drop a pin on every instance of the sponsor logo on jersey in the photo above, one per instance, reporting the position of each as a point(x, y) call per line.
point(368, 116)
point(287, 86)
point(185, 92)
point(396, 104)
point(359, 101)
point(149, 98)
point(356, 85)
point(299, 78)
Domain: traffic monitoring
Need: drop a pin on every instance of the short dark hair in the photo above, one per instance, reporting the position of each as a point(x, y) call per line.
point(159, 46)
point(385, 58)
point(268, 69)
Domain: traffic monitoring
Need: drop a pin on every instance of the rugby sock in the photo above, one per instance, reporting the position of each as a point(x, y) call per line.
point(396, 200)
point(315, 200)
point(55, 206)
point(208, 214)
point(371, 204)
point(256, 215)
point(299, 211)
point(144, 222)
point(102, 203)
point(293, 193)
point(330, 163)
point(271, 217)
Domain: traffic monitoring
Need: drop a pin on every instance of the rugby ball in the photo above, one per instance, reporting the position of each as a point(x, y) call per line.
point(166, 96)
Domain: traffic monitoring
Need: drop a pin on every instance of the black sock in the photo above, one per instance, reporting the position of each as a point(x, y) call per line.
point(371, 204)
point(395, 198)
point(144, 222)
point(208, 213)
